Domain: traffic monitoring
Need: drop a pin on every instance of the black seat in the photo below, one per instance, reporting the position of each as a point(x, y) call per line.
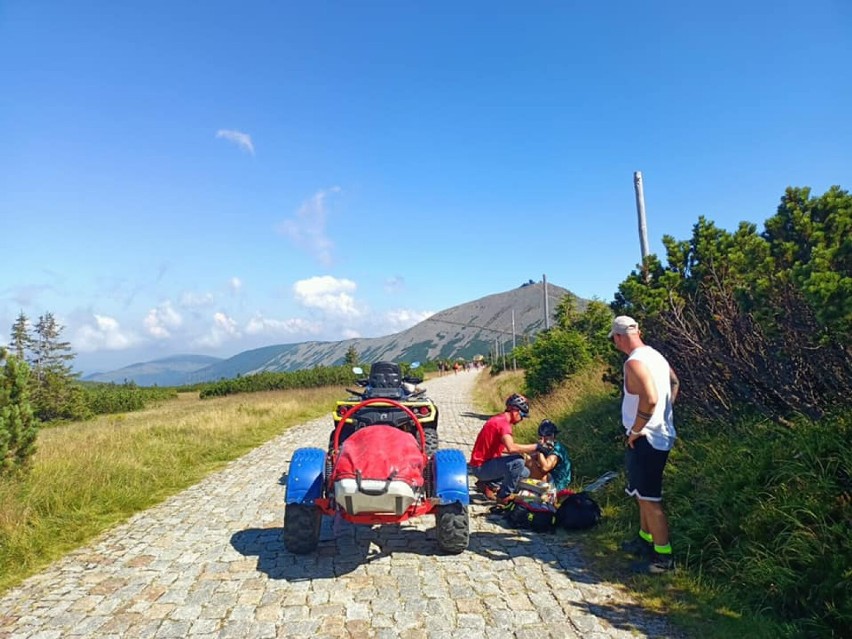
point(385, 375)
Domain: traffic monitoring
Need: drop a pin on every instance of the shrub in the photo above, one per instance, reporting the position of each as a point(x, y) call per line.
point(18, 426)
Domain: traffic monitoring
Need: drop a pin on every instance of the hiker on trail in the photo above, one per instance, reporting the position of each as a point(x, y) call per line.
point(551, 462)
point(650, 390)
point(496, 457)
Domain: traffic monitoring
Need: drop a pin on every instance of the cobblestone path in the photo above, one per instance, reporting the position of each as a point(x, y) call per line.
point(209, 562)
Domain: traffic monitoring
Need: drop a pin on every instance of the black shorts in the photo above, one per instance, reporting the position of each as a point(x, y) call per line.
point(645, 466)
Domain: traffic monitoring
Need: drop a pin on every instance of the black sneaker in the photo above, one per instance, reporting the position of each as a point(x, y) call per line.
point(638, 547)
point(656, 564)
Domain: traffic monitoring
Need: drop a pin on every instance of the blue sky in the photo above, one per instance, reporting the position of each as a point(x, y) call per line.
point(185, 177)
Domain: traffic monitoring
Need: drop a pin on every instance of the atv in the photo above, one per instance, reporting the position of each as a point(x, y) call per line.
point(387, 381)
point(381, 474)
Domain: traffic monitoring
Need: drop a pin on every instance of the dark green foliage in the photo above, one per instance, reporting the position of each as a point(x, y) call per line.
point(351, 357)
point(308, 378)
point(18, 426)
point(555, 354)
point(102, 399)
point(758, 320)
point(54, 393)
point(757, 326)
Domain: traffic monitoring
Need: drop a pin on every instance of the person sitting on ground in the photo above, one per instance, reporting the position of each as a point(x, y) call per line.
point(496, 457)
point(551, 462)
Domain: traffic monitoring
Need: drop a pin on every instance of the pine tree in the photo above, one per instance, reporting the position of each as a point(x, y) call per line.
point(54, 393)
point(21, 340)
point(351, 358)
point(18, 426)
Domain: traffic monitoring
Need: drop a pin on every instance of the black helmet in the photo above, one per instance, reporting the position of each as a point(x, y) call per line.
point(547, 428)
point(519, 403)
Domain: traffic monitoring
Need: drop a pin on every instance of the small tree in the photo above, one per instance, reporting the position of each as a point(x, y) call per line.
point(351, 358)
point(54, 394)
point(18, 426)
point(21, 342)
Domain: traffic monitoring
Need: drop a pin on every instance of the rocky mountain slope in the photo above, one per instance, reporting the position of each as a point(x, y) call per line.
point(463, 331)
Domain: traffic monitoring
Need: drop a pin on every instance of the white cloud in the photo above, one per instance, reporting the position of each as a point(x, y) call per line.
point(235, 284)
point(104, 333)
point(350, 333)
point(307, 228)
point(242, 140)
point(328, 294)
point(259, 325)
point(162, 320)
point(224, 329)
point(401, 319)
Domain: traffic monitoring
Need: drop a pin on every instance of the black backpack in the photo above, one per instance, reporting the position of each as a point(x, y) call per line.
point(535, 516)
point(577, 512)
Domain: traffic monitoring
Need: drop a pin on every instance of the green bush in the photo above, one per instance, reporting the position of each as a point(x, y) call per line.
point(307, 378)
point(103, 399)
point(555, 355)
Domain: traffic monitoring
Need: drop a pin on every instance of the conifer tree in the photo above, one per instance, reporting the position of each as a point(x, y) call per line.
point(54, 393)
point(18, 426)
point(351, 358)
point(21, 340)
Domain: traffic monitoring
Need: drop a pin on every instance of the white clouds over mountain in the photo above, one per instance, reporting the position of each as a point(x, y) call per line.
point(162, 321)
point(328, 294)
point(104, 333)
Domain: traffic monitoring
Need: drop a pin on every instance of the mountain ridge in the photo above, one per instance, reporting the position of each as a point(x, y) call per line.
point(473, 328)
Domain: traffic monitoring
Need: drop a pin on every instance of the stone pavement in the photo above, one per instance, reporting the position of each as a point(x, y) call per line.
point(209, 562)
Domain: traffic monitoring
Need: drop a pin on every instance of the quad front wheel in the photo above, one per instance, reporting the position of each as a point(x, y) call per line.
point(452, 527)
point(301, 527)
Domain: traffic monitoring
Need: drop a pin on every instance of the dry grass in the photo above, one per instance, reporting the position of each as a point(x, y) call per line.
point(89, 476)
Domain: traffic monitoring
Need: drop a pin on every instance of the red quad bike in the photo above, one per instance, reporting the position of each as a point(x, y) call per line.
point(380, 475)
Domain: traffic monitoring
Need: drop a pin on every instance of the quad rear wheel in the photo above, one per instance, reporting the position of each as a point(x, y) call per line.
point(452, 527)
point(301, 527)
point(431, 440)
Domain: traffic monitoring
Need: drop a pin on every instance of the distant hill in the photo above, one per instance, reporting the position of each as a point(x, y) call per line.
point(168, 371)
point(462, 331)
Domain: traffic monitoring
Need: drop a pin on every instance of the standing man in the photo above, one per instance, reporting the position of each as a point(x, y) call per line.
point(650, 390)
point(496, 457)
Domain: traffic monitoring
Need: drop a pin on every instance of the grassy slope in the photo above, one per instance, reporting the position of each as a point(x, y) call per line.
point(89, 476)
point(588, 413)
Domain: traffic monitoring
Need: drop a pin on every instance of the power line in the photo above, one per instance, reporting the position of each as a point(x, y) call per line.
point(484, 328)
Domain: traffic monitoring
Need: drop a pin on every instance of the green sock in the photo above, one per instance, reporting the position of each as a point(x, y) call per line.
point(646, 536)
point(663, 550)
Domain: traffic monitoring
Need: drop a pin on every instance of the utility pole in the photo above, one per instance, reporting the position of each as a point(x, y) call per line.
point(514, 361)
point(546, 304)
point(643, 226)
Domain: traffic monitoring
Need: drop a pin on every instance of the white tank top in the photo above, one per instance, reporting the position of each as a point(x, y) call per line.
point(659, 430)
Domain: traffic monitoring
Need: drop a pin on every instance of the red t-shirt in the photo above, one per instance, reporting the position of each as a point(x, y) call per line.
point(489, 443)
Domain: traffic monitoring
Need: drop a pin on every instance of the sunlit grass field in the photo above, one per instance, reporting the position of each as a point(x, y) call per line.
point(88, 476)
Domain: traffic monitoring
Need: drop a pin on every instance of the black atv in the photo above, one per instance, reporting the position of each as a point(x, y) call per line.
point(387, 381)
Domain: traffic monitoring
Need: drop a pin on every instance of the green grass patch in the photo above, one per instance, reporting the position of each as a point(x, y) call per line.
point(760, 514)
point(89, 476)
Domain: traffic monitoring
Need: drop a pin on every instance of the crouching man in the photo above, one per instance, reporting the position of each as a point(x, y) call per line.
point(496, 458)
